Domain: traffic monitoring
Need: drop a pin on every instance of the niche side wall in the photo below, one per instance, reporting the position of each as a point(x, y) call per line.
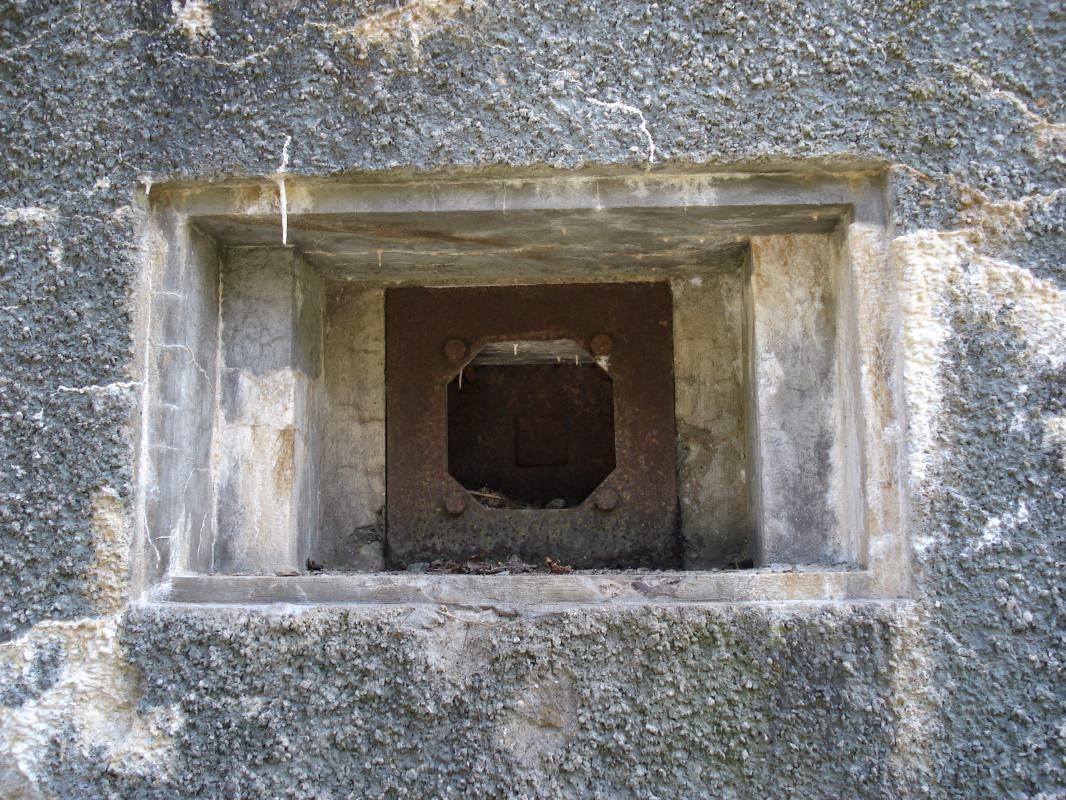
point(352, 533)
point(709, 403)
point(267, 447)
point(803, 415)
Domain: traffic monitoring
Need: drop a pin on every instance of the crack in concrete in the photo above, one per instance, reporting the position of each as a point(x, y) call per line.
point(283, 201)
point(106, 388)
point(192, 359)
point(628, 109)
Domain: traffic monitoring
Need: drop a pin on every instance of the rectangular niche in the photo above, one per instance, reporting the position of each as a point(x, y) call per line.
point(692, 374)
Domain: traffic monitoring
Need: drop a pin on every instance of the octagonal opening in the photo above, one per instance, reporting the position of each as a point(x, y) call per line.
point(531, 424)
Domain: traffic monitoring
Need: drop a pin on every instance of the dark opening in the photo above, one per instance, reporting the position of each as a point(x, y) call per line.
point(531, 425)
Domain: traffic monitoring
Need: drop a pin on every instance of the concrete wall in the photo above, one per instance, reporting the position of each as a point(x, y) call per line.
point(711, 409)
point(351, 532)
point(175, 454)
point(267, 441)
point(797, 386)
point(954, 692)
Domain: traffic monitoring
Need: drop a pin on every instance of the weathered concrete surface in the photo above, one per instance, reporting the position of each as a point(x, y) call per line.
point(710, 399)
point(178, 330)
point(709, 702)
point(959, 697)
point(351, 532)
point(796, 390)
point(266, 448)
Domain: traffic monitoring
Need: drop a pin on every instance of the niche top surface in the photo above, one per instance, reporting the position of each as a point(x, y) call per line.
point(442, 231)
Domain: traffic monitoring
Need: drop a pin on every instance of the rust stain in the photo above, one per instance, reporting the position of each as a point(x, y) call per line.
point(284, 459)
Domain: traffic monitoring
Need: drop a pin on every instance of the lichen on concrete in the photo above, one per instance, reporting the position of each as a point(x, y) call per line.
point(109, 568)
point(84, 693)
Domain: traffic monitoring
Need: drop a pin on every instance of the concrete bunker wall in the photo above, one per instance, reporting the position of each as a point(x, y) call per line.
point(954, 694)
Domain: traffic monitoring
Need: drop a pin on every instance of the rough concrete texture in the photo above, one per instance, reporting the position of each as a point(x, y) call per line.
point(959, 694)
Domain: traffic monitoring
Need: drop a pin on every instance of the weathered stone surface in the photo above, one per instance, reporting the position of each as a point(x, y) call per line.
point(956, 696)
point(266, 443)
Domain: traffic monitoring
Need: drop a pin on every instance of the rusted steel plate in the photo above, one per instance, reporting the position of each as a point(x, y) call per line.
point(630, 519)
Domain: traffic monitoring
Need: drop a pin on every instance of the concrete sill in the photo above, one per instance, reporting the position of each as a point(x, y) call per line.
point(590, 588)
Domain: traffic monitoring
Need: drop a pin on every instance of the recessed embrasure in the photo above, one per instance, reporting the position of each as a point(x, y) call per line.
point(297, 412)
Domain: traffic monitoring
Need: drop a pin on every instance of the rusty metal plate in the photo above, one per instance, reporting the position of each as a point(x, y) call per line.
point(630, 519)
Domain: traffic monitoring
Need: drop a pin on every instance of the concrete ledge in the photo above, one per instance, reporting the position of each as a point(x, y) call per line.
point(598, 588)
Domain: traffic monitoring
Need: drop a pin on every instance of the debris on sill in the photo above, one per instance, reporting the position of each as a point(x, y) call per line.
point(492, 498)
point(476, 565)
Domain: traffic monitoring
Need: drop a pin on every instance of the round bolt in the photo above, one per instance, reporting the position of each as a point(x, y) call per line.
point(606, 500)
point(600, 345)
point(455, 502)
point(454, 350)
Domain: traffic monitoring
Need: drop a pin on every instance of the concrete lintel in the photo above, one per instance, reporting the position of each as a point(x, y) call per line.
point(860, 190)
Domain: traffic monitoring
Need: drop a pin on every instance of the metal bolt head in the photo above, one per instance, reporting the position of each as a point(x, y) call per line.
point(454, 350)
point(455, 502)
point(606, 499)
point(600, 345)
